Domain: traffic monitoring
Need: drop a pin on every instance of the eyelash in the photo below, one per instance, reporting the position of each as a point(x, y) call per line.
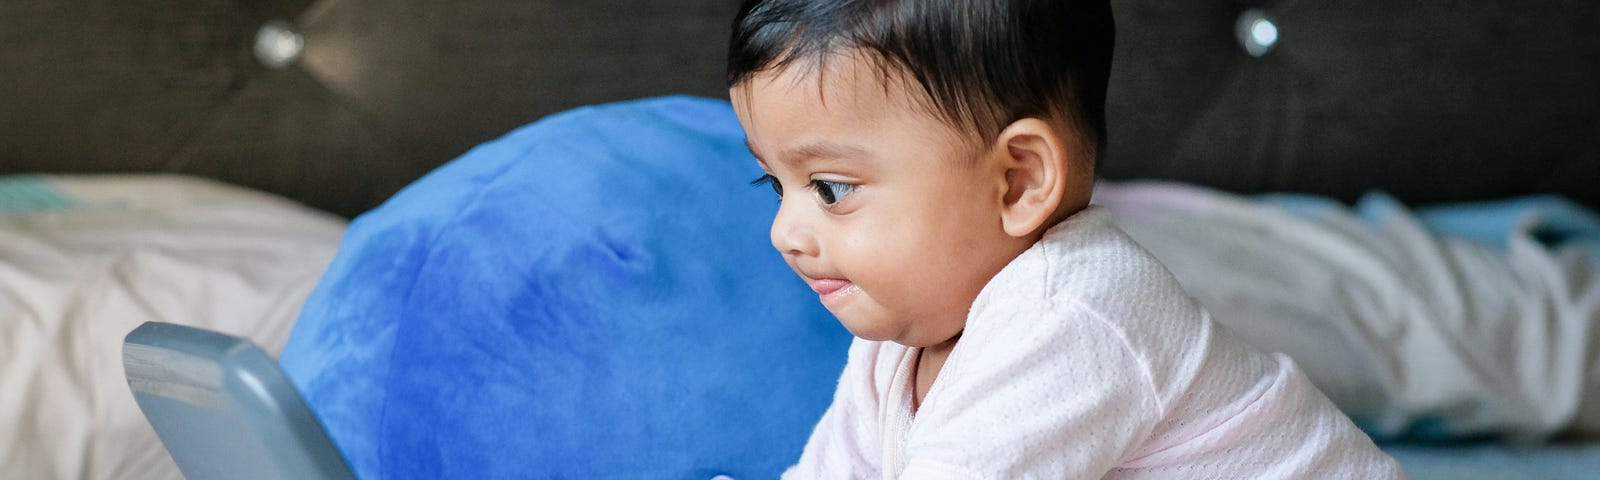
point(768, 179)
point(828, 191)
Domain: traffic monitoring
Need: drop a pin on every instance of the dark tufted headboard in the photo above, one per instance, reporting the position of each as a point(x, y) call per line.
point(1432, 100)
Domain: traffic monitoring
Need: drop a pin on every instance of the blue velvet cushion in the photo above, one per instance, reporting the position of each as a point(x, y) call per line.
point(591, 296)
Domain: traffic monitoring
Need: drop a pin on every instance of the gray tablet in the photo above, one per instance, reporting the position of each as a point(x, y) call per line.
point(223, 409)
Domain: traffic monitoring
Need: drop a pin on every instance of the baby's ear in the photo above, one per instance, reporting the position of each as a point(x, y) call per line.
point(1037, 172)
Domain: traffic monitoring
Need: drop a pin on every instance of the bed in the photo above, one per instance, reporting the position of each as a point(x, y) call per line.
point(1430, 103)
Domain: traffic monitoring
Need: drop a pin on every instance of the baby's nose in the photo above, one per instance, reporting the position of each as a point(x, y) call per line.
point(791, 235)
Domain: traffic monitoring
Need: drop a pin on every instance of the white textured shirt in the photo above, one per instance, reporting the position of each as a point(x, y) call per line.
point(1083, 358)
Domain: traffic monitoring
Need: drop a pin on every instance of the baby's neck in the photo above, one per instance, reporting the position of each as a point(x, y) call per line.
point(930, 360)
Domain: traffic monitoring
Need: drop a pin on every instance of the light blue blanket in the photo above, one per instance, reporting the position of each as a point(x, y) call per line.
point(31, 193)
point(1553, 220)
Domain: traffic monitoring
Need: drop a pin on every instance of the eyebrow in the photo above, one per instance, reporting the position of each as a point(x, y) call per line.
point(815, 150)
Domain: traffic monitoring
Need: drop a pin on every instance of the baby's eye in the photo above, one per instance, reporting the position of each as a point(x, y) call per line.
point(831, 192)
point(768, 179)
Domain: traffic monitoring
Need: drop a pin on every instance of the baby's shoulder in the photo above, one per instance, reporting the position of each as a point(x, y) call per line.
point(1086, 282)
point(1088, 265)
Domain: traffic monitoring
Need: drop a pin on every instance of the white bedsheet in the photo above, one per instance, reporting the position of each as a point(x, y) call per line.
point(110, 253)
point(1409, 331)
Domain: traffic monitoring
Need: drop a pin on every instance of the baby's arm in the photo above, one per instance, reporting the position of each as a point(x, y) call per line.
point(846, 442)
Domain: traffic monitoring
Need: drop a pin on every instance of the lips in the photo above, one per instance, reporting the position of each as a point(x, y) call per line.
point(828, 286)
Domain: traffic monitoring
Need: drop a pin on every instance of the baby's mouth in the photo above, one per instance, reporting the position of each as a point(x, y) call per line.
point(829, 286)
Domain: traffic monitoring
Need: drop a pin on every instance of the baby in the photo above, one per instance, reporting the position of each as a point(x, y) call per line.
point(934, 160)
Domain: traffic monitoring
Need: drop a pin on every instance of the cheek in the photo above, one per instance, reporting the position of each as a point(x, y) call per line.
point(942, 246)
point(910, 260)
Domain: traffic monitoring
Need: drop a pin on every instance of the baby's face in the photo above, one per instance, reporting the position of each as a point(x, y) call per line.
point(890, 217)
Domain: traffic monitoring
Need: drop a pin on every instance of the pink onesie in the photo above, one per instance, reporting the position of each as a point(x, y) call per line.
point(1083, 358)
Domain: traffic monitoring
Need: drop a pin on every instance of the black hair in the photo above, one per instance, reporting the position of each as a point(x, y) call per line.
point(982, 63)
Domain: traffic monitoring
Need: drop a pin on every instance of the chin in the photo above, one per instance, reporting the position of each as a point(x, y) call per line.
point(867, 329)
point(869, 334)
